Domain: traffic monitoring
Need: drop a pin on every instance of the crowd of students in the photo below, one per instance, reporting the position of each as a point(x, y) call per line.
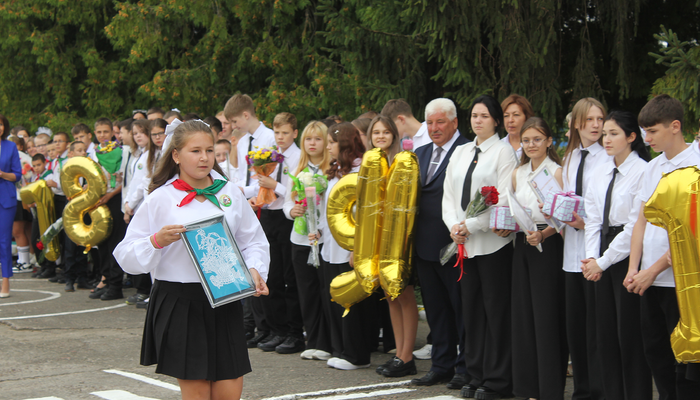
point(507, 327)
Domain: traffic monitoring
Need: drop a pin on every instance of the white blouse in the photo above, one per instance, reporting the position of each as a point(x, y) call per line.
point(331, 251)
point(628, 181)
point(525, 194)
point(139, 182)
point(127, 170)
point(136, 255)
point(518, 153)
point(495, 168)
point(575, 240)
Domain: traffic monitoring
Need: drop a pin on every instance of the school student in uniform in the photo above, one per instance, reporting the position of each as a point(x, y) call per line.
point(135, 191)
point(653, 280)
point(608, 231)
point(487, 272)
point(540, 354)
point(313, 159)
point(203, 347)
point(583, 154)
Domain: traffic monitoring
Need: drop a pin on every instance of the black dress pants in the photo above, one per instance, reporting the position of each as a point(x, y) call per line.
point(310, 289)
point(109, 266)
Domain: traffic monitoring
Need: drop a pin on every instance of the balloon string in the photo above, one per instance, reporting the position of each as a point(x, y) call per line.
point(461, 255)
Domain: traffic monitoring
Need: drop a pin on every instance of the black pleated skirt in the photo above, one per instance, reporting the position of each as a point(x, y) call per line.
point(188, 339)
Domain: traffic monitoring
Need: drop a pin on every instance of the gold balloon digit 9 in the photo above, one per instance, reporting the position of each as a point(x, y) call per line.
point(675, 207)
point(84, 201)
point(41, 195)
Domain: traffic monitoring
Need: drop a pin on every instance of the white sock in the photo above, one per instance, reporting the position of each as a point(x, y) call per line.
point(23, 254)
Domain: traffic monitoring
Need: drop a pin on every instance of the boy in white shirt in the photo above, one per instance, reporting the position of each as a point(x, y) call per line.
point(662, 118)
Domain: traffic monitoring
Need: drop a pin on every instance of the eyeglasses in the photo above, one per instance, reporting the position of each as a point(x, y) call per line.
point(535, 141)
point(40, 146)
point(157, 134)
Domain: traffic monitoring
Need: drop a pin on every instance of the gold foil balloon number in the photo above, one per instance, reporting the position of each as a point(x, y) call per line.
point(381, 232)
point(41, 195)
point(675, 206)
point(84, 201)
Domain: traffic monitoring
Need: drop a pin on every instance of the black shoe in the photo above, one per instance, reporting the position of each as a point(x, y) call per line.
point(82, 284)
point(382, 367)
point(432, 378)
point(48, 273)
point(291, 345)
point(69, 286)
point(58, 278)
point(259, 337)
point(458, 381)
point(131, 300)
point(98, 292)
point(249, 335)
point(112, 295)
point(484, 393)
point(39, 272)
point(398, 368)
point(271, 343)
point(468, 391)
point(142, 305)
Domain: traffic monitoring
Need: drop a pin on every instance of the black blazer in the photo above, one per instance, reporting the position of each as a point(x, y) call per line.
point(431, 234)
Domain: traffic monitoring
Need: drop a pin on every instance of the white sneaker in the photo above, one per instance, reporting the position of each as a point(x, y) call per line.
point(308, 354)
point(346, 365)
point(331, 361)
point(20, 268)
point(424, 353)
point(321, 355)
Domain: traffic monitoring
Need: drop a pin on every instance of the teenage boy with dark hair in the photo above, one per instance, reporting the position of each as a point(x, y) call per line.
point(83, 133)
point(400, 112)
point(662, 118)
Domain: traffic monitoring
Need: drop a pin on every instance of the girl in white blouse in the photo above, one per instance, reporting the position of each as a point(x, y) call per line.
point(583, 154)
point(314, 158)
point(487, 272)
point(540, 355)
point(609, 225)
point(203, 347)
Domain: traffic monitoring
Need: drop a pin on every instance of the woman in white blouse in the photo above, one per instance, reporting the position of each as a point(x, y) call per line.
point(609, 225)
point(583, 154)
point(487, 272)
point(203, 347)
point(516, 110)
point(540, 354)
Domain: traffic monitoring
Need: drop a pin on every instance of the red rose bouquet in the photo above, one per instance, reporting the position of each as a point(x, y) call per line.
point(485, 198)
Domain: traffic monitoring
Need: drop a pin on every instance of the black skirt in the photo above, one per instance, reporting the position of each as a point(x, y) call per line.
point(189, 339)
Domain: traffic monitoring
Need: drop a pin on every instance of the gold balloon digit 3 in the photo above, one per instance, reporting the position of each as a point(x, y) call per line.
point(674, 206)
point(84, 201)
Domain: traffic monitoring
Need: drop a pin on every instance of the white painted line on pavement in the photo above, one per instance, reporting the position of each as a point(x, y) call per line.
point(362, 395)
point(63, 313)
point(119, 395)
point(52, 295)
point(46, 398)
point(143, 378)
point(337, 391)
point(444, 397)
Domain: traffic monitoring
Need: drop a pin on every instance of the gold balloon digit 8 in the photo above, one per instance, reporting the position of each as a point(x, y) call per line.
point(674, 206)
point(83, 201)
point(41, 195)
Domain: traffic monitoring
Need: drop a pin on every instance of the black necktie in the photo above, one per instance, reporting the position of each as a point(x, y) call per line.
point(126, 170)
point(247, 172)
point(579, 173)
point(466, 191)
point(606, 214)
point(434, 163)
point(279, 172)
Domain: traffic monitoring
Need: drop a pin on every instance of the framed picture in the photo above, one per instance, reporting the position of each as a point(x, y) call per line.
point(219, 262)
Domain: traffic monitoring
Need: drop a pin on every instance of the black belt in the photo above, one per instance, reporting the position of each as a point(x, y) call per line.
point(614, 231)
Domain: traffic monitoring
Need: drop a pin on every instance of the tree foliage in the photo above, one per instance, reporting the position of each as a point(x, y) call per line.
point(67, 61)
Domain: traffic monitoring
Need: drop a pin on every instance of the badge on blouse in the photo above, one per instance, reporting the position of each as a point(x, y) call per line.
point(225, 200)
point(286, 170)
point(139, 166)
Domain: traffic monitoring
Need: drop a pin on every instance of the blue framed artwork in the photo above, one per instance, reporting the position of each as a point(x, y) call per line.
point(220, 265)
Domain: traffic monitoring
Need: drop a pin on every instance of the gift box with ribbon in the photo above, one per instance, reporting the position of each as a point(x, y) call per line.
point(501, 218)
point(562, 205)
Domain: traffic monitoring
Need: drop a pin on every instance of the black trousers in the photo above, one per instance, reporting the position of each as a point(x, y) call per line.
point(540, 353)
point(581, 335)
point(442, 299)
point(351, 336)
point(109, 266)
point(486, 287)
point(142, 283)
point(76, 262)
point(659, 316)
point(59, 203)
point(310, 290)
point(281, 306)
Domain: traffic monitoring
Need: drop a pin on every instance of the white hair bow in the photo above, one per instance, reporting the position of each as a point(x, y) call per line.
point(169, 130)
point(44, 130)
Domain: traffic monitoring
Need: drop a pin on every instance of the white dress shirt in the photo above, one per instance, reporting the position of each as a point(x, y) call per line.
point(518, 153)
point(575, 240)
point(494, 168)
point(525, 194)
point(331, 251)
point(628, 181)
point(289, 203)
point(289, 165)
point(422, 137)
point(91, 150)
point(136, 255)
point(655, 238)
point(262, 137)
point(140, 176)
point(231, 172)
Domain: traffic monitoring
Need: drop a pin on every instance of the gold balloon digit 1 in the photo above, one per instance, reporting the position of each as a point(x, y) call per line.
point(84, 201)
point(674, 206)
point(41, 195)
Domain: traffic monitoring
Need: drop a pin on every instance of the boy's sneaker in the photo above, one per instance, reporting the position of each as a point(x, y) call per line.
point(143, 304)
point(134, 299)
point(20, 268)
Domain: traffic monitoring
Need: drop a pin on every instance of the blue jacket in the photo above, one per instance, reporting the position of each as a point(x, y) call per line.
point(9, 163)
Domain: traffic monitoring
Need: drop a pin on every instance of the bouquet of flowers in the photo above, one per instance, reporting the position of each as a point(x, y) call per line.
point(110, 158)
point(300, 182)
point(263, 162)
point(485, 198)
point(51, 232)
